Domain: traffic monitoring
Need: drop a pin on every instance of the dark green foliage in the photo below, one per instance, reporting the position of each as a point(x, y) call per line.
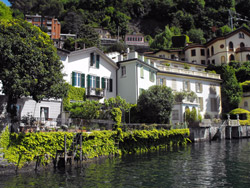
point(29, 64)
point(196, 36)
point(117, 47)
point(155, 105)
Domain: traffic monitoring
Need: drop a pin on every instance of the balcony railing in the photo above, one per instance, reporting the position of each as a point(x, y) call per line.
point(189, 72)
point(95, 92)
point(243, 49)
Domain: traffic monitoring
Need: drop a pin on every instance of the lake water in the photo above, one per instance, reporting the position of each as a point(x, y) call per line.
point(215, 164)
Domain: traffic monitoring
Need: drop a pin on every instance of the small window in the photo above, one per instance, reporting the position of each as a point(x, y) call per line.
point(214, 105)
point(123, 68)
point(223, 59)
point(151, 76)
point(193, 52)
point(242, 44)
point(231, 57)
point(186, 85)
point(241, 35)
point(203, 62)
point(212, 50)
point(202, 52)
point(142, 72)
point(78, 79)
point(208, 52)
point(231, 46)
point(44, 113)
point(199, 87)
point(222, 46)
point(208, 62)
point(246, 104)
point(213, 62)
point(175, 115)
point(212, 89)
point(172, 56)
point(248, 57)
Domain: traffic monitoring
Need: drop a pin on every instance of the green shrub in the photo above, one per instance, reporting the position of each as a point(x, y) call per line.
point(241, 111)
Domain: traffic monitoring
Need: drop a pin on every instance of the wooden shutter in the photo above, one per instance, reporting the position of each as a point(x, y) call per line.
point(111, 85)
point(83, 80)
point(73, 79)
point(97, 61)
point(92, 59)
point(201, 103)
point(97, 82)
point(88, 80)
point(103, 83)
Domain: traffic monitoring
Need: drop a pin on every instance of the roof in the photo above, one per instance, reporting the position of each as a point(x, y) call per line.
point(89, 50)
point(136, 59)
point(177, 61)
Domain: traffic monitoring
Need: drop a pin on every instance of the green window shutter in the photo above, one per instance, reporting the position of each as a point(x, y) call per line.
point(92, 59)
point(97, 61)
point(97, 82)
point(73, 78)
point(88, 80)
point(103, 83)
point(111, 85)
point(83, 80)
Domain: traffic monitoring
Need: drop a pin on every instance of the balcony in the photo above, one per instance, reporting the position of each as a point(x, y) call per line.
point(188, 72)
point(243, 49)
point(95, 92)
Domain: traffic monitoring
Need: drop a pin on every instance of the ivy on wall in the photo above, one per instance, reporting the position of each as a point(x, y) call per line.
point(20, 149)
point(74, 93)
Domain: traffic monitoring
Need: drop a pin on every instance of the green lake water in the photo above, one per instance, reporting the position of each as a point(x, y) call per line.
point(215, 164)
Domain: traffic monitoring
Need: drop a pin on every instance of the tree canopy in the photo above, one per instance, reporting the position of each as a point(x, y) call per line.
point(29, 64)
point(5, 12)
point(155, 104)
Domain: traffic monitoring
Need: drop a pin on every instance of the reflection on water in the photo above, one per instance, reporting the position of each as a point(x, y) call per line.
point(216, 164)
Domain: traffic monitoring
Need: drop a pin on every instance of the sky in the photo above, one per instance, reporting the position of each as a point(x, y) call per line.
point(6, 2)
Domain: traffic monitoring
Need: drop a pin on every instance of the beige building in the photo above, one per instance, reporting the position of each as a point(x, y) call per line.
point(234, 46)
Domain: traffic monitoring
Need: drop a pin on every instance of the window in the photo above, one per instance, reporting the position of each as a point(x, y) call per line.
point(193, 52)
point(172, 56)
point(142, 72)
point(214, 107)
point(223, 59)
point(199, 87)
point(78, 79)
point(208, 54)
point(241, 35)
point(212, 50)
point(162, 56)
point(246, 104)
point(161, 81)
point(222, 46)
point(37, 19)
point(208, 62)
point(107, 83)
point(151, 76)
point(44, 112)
point(94, 60)
point(203, 62)
point(175, 115)
point(213, 62)
point(212, 89)
point(242, 44)
point(174, 86)
point(123, 71)
point(93, 81)
point(231, 46)
point(248, 57)
point(186, 85)
point(231, 57)
point(202, 52)
point(201, 103)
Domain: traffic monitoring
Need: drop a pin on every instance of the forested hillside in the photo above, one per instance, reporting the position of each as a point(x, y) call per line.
point(146, 16)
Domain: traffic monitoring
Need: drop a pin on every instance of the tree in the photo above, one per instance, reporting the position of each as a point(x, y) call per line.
point(29, 64)
point(163, 40)
point(155, 104)
point(223, 30)
point(5, 12)
point(196, 36)
point(87, 36)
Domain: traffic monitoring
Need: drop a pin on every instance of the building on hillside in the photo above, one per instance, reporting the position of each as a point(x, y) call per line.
point(63, 37)
point(52, 24)
point(91, 69)
point(234, 46)
point(105, 36)
point(176, 54)
point(134, 75)
point(185, 76)
point(136, 40)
